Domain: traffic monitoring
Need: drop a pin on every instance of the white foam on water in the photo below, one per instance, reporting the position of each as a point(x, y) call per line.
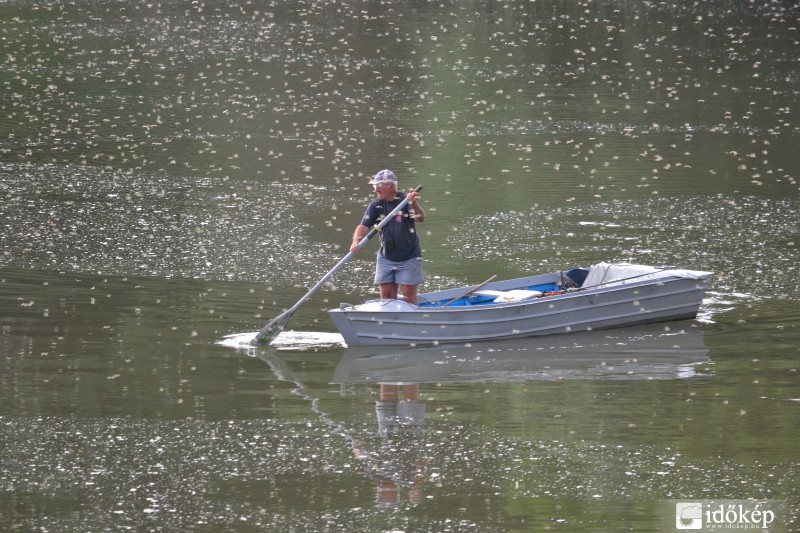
point(307, 340)
point(238, 340)
point(286, 341)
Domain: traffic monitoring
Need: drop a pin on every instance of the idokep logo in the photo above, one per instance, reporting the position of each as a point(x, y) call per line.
point(711, 515)
point(689, 515)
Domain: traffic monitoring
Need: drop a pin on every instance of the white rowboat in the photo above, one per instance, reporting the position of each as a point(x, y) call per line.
point(604, 296)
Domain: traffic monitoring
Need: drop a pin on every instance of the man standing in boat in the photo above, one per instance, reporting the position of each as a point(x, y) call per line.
point(400, 256)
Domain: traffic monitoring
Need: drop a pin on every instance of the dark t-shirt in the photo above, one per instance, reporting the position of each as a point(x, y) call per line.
point(399, 239)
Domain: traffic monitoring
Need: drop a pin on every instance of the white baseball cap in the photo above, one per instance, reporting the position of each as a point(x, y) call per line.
point(383, 176)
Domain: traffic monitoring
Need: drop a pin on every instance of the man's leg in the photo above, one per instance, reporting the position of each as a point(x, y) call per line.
point(410, 276)
point(389, 291)
point(385, 278)
point(410, 294)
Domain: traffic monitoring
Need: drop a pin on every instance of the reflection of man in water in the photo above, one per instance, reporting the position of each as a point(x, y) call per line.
point(397, 462)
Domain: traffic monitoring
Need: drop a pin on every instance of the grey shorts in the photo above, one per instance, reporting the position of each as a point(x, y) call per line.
point(402, 272)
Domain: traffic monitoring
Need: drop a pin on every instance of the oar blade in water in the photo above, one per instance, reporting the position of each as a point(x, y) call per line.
point(272, 329)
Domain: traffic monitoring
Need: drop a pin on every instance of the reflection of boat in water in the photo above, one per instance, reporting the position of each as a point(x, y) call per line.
point(640, 352)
